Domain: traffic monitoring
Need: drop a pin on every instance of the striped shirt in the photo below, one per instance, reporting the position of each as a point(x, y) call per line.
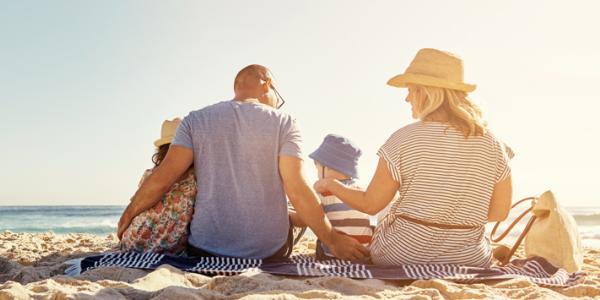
point(444, 178)
point(345, 219)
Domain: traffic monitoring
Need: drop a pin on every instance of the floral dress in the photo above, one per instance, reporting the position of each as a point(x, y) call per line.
point(165, 226)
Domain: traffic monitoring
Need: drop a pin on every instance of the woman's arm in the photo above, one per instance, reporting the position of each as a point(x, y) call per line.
point(380, 192)
point(501, 200)
point(177, 161)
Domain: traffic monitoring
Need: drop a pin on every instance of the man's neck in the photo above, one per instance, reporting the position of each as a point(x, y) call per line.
point(250, 100)
point(246, 99)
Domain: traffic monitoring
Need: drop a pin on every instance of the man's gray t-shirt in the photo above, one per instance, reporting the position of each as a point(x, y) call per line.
point(241, 208)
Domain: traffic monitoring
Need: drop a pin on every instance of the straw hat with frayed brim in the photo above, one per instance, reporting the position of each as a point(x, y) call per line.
point(435, 68)
point(167, 132)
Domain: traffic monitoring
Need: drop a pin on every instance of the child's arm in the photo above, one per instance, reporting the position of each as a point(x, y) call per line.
point(380, 192)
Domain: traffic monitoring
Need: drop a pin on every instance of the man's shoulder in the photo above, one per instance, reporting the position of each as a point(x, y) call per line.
point(271, 115)
point(225, 110)
point(286, 117)
point(266, 110)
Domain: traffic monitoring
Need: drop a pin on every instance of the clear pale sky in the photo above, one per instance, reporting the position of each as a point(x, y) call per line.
point(84, 86)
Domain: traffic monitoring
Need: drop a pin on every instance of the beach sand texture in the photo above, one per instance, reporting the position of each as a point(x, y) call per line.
point(31, 266)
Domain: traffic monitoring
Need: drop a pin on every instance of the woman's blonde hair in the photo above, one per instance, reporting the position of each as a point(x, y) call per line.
point(461, 112)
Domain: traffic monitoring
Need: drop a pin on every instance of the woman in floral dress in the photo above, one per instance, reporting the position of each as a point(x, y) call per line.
point(165, 226)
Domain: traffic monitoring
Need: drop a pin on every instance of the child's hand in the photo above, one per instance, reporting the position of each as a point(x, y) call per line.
point(321, 186)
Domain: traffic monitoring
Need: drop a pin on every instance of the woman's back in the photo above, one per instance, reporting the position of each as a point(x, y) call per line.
point(444, 179)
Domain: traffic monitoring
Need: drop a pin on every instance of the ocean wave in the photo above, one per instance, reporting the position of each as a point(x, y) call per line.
point(589, 232)
point(587, 219)
point(61, 208)
point(80, 225)
point(66, 229)
point(60, 211)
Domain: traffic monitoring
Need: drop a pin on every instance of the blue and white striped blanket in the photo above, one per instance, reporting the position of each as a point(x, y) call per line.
point(536, 269)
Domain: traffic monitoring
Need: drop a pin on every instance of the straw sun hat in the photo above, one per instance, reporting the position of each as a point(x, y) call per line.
point(167, 132)
point(435, 68)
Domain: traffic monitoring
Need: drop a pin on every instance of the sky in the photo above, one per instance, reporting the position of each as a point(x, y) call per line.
point(85, 85)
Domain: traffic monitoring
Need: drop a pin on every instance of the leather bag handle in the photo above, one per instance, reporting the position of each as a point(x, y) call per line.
point(514, 248)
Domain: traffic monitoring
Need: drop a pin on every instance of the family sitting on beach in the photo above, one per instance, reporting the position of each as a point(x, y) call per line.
point(223, 176)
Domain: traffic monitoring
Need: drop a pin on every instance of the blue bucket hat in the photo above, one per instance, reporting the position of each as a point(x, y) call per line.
point(338, 153)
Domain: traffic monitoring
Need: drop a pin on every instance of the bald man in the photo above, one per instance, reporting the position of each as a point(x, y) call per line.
point(246, 155)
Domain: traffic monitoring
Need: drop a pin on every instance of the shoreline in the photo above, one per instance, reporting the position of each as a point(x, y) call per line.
point(32, 265)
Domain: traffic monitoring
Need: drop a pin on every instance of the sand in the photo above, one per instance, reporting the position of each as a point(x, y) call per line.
point(31, 266)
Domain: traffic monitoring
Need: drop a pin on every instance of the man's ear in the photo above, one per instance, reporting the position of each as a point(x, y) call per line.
point(265, 84)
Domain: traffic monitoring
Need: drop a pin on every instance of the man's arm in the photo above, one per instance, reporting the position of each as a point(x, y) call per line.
point(378, 195)
point(306, 203)
point(177, 161)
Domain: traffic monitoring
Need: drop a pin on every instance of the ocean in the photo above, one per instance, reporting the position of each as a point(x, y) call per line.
point(102, 220)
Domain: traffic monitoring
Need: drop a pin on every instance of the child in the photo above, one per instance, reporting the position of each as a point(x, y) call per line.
point(337, 158)
point(165, 226)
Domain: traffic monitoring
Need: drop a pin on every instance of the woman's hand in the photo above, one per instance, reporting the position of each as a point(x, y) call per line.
point(378, 195)
point(322, 186)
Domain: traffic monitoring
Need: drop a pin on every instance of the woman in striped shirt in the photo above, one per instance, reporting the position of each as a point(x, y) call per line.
point(451, 172)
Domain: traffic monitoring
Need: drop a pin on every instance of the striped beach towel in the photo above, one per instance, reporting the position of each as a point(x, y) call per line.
point(536, 269)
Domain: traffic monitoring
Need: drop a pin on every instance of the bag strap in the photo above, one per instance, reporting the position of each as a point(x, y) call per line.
point(514, 223)
point(506, 259)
